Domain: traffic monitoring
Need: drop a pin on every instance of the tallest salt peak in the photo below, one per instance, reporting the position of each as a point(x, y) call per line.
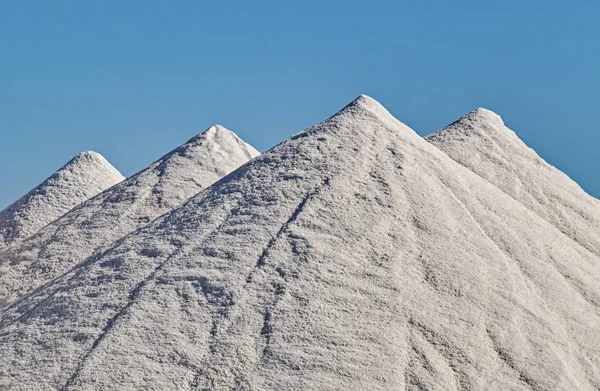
point(365, 103)
point(366, 107)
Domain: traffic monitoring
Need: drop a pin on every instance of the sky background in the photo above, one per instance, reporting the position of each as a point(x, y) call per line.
point(134, 79)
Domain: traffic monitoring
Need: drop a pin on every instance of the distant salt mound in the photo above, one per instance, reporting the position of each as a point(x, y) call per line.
point(481, 142)
point(86, 175)
point(354, 255)
point(162, 186)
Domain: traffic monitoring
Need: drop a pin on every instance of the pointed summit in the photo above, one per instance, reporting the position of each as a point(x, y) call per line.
point(222, 141)
point(86, 160)
point(364, 103)
point(198, 163)
point(363, 115)
point(481, 142)
point(162, 186)
point(88, 157)
point(353, 255)
point(84, 176)
point(482, 115)
point(481, 123)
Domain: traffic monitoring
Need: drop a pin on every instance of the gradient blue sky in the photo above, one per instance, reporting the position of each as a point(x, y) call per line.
point(134, 79)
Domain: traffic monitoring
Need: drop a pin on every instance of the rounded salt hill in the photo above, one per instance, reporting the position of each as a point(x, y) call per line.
point(84, 176)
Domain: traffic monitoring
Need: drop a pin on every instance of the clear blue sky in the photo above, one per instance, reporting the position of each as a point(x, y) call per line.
point(133, 79)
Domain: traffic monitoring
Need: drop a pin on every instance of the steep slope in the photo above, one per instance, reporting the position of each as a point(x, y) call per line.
point(354, 255)
point(481, 142)
point(162, 186)
point(84, 176)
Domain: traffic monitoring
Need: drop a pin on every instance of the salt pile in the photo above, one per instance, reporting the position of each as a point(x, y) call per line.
point(354, 255)
point(84, 176)
point(157, 189)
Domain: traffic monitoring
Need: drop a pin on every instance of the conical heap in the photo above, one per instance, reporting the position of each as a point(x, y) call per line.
point(354, 255)
point(84, 176)
point(162, 186)
point(481, 142)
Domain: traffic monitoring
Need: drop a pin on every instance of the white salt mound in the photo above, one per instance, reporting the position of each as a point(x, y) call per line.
point(86, 175)
point(120, 210)
point(354, 255)
point(481, 142)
